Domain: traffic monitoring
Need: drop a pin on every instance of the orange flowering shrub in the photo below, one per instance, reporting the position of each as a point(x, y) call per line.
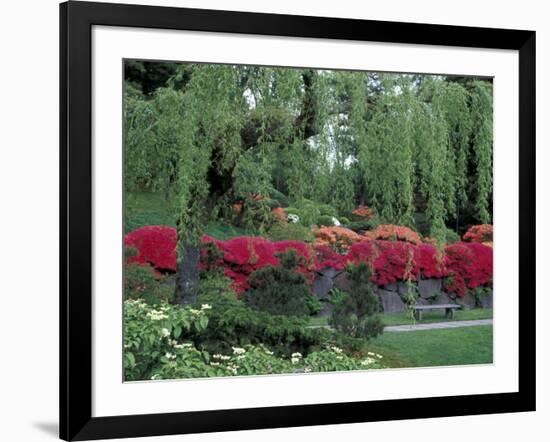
point(363, 212)
point(481, 233)
point(392, 232)
point(279, 213)
point(339, 238)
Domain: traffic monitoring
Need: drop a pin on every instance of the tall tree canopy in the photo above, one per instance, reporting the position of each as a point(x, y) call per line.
point(208, 135)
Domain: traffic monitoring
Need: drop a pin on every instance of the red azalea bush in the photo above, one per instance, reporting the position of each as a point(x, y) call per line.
point(481, 233)
point(243, 255)
point(155, 245)
point(469, 265)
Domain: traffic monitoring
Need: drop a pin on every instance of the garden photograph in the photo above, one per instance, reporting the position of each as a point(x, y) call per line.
point(294, 221)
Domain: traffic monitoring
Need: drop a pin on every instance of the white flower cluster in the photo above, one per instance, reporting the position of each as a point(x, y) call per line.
point(295, 357)
point(221, 357)
point(180, 346)
point(292, 218)
point(206, 307)
point(335, 349)
point(169, 355)
point(157, 315)
point(335, 222)
point(370, 353)
point(165, 332)
point(238, 351)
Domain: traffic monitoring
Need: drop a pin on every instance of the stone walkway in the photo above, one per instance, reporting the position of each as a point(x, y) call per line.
point(427, 326)
point(437, 325)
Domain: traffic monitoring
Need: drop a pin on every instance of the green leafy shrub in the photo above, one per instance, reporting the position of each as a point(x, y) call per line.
point(279, 196)
point(479, 293)
point(141, 282)
point(290, 231)
point(325, 220)
point(343, 220)
point(327, 210)
point(154, 335)
point(281, 289)
point(232, 323)
point(314, 305)
point(357, 313)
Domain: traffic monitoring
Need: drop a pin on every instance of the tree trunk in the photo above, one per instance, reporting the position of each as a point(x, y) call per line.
point(187, 282)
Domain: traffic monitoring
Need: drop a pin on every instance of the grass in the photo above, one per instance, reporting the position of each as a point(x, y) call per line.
point(428, 348)
point(149, 209)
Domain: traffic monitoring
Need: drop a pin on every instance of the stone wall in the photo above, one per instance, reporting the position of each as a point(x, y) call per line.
point(393, 296)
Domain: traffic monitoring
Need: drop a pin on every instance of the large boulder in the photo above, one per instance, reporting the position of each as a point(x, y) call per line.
point(443, 298)
point(322, 285)
point(427, 288)
point(342, 282)
point(467, 301)
point(487, 301)
point(391, 301)
point(326, 311)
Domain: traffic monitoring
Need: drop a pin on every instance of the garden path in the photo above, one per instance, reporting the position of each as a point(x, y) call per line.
point(437, 325)
point(428, 326)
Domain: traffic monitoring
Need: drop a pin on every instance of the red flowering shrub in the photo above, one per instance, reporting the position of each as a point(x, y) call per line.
point(155, 245)
point(325, 257)
point(394, 262)
point(364, 212)
point(469, 265)
point(395, 233)
point(243, 255)
point(430, 261)
point(480, 233)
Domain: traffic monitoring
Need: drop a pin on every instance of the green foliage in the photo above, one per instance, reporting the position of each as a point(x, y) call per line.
point(325, 220)
point(479, 293)
point(290, 231)
point(328, 140)
point(280, 197)
point(280, 289)
point(343, 220)
point(357, 313)
point(233, 323)
point(314, 305)
point(140, 282)
point(154, 336)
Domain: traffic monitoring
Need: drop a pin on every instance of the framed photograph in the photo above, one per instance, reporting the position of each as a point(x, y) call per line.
point(273, 220)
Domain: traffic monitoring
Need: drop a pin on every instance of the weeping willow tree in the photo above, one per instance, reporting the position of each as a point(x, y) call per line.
point(210, 135)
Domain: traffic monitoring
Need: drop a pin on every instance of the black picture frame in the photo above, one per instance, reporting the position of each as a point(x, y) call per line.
point(76, 21)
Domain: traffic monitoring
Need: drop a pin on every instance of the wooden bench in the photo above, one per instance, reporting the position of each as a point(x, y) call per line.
point(449, 309)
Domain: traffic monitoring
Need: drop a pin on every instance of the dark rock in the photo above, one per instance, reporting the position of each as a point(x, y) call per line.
point(326, 310)
point(342, 282)
point(487, 301)
point(422, 301)
point(403, 289)
point(391, 301)
point(391, 287)
point(429, 287)
point(330, 272)
point(322, 286)
point(443, 298)
point(468, 301)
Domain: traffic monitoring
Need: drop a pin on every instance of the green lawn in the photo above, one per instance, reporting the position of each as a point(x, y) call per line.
point(149, 209)
point(425, 348)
